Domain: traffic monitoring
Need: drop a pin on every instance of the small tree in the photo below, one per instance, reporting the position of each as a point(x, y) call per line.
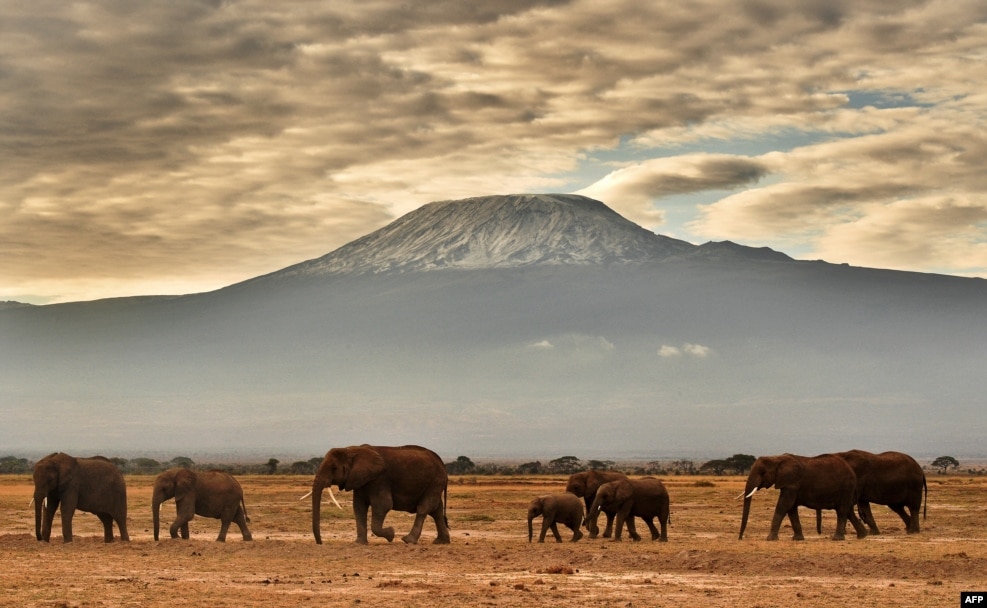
point(716, 467)
point(272, 466)
point(944, 463)
point(601, 465)
point(530, 468)
point(302, 467)
point(460, 466)
point(182, 461)
point(566, 465)
point(741, 463)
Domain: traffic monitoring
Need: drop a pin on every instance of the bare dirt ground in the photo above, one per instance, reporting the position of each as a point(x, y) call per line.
point(490, 562)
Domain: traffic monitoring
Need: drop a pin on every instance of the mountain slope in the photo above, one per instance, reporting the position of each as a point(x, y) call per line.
point(496, 232)
point(512, 326)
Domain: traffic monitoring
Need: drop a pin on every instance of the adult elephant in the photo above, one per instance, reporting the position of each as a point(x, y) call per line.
point(889, 478)
point(629, 498)
point(214, 494)
point(93, 485)
point(819, 482)
point(556, 509)
point(584, 485)
point(408, 478)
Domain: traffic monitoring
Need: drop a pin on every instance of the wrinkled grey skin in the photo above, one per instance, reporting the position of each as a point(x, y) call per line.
point(94, 485)
point(214, 494)
point(407, 478)
point(556, 509)
point(889, 478)
point(585, 485)
point(820, 482)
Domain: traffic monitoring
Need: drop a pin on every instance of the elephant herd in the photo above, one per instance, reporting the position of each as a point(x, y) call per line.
point(413, 479)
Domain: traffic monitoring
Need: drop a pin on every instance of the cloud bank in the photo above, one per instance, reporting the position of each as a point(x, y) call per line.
point(187, 145)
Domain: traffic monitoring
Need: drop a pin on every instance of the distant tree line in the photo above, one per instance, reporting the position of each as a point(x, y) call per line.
point(738, 464)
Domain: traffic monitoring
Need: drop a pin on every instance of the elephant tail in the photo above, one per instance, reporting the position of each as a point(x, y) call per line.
point(243, 505)
point(445, 502)
point(925, 506)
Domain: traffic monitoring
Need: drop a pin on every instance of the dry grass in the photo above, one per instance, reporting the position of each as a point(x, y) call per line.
point(490, 562)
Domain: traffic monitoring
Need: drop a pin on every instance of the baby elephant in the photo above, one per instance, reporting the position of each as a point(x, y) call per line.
point(645, 498)
point(213, 494)
point(555, 509)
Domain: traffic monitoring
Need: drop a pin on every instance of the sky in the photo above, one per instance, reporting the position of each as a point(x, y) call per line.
point(178, 147)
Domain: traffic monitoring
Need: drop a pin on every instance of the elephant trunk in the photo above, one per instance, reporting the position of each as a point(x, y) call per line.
point(530, 529)
point(317, 487)
point(156, 515)
point(592, 516)
point(38, 501)
point(749, 489)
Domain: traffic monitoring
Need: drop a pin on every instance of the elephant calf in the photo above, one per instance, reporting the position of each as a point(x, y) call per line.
point(554, 509)
point(645, 498)
point(214, 494)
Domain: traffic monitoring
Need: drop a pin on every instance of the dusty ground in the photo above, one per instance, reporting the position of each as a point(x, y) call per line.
point(490, 562)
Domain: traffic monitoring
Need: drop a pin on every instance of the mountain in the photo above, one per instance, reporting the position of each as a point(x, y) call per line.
point(527, 325)
point(496, 232)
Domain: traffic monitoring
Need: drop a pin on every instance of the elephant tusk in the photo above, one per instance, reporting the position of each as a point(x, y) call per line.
point(752, 492)
point(333, 498)
point(31, 504)
point(739, 496)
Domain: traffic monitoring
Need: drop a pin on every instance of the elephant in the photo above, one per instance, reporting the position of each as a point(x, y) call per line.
point(554, 509)
point(629, 498)
point(94, 485)
point(585, 485)
point(889, 478)
point(408, 478)
point(819, 482)
point(214, 494)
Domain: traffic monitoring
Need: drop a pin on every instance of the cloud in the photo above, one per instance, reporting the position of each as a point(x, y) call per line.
point(632, 190)
point(206, 138)
point(541, 345)
point(688, 349)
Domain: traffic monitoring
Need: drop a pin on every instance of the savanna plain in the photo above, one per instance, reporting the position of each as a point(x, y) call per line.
point(490, 562)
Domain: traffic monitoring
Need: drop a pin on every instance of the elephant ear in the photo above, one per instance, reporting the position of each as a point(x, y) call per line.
point(623, 491)
point(184, 483)
point(366, 464)
point(66, 466)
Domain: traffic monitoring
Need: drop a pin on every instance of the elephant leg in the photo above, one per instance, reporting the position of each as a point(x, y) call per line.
point(48, 520)
point(911, 521)
point(576, 532)
point(905, 517)
point(412, 537)
point(241, 522)
point(608, 531)
point(867, 516)
point(360, 509)
point(555, 532)
point(663, 521)
point(107, 521)
point(858, 525)
point(122, 525)
point(785, 504)
point(441, 526)
point(224, 526)
point(655, 534)
point(380, 509)
point(793, 518)
point(67, 512)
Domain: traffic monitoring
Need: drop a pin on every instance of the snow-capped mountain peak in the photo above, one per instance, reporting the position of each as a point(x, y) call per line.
point(497, 232)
